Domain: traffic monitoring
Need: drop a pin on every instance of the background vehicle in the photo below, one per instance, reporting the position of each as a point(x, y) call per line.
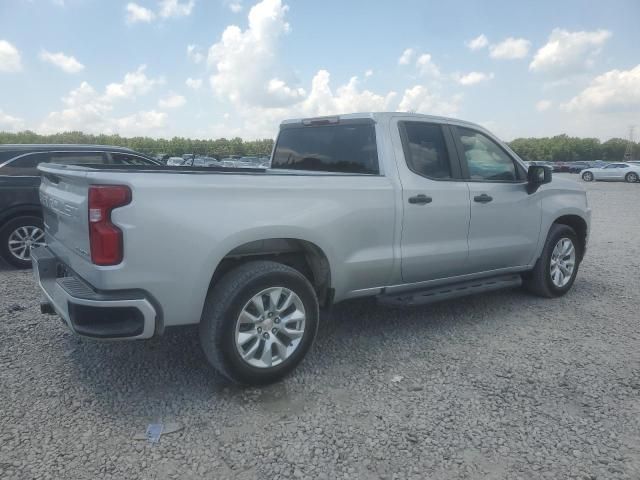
point(618, 171)
point(577, 167)
point(20, 214)
point(409, 208)
point(175, 161)
point(560, 167)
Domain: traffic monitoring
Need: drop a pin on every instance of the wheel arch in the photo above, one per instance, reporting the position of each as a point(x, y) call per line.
point(302, 255)
point(12, 213)
point(579, 225)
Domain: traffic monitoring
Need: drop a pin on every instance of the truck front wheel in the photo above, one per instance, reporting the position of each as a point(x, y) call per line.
point(258, 322)
point(556, 269)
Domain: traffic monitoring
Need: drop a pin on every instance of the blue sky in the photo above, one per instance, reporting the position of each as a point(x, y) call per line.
point(212, 68)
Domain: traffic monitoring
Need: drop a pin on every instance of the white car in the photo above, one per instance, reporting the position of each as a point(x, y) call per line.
point(619, 171)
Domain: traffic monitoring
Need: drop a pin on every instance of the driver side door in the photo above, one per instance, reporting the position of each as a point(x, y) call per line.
point(505, 219)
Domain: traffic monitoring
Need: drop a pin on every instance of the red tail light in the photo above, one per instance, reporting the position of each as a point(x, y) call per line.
point(104, 237)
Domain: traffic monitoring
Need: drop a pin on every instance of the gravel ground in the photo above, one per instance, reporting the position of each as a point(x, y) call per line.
point(498, 386)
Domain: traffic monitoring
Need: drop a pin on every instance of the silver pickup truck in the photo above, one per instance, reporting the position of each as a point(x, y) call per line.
point(408, 208)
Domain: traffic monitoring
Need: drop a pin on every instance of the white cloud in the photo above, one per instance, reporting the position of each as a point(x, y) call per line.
point(137, 13)
point(281, 91)
point(543, 105)
point(613, 91)
point(194, 83)
point(407, 56)
point(347, 98)
point(66, 63)
point(173, 100)
point(234, 6)
point(420, 99)
point(426, 66)
point(10, 60)
point(481, 41)
point(245, 60)
point(10, 123)
point(510, 49)
point(195, 54)
point(368, 73)
point(473, 78)
point(174, 8)
point(566, 53)
point(140, 123)
point(134, 84)
point(87, 110)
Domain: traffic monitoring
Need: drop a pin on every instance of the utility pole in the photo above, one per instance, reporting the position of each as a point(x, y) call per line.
point(628, 154)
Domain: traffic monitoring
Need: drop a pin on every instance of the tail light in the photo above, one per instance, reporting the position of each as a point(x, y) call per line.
point(104, 237)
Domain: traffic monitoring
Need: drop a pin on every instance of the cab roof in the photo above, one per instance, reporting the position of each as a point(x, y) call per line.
point(34, 147)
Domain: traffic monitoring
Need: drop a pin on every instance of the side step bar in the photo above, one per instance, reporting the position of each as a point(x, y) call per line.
point(453, 290)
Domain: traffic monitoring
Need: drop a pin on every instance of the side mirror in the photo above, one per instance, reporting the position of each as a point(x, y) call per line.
point(537, 175)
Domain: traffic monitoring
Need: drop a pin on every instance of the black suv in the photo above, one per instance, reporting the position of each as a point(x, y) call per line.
point(20, 214)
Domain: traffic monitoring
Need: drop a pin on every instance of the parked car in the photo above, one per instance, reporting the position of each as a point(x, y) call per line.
point(408, 208)
point(577, 167)
point(560, 167)
point(618, 171)
point(21, 225)
point(175, 161)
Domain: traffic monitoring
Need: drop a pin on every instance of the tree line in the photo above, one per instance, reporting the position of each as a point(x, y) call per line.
point(560, 148)
point(222, 147)
point(563, 148)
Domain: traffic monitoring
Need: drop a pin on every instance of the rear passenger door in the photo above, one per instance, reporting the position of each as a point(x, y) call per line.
point(435, 202)
point(505, 219)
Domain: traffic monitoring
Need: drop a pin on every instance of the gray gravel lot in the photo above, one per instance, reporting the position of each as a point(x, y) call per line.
point(498, 386)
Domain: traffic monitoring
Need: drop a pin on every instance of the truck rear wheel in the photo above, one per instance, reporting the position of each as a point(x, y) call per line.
point(556, 269)
point(258, 322)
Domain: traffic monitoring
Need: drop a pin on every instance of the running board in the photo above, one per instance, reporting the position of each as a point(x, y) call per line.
point(452, 290)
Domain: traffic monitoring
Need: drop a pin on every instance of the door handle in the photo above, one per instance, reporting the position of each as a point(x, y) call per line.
point(420, 199)
point(484, 198)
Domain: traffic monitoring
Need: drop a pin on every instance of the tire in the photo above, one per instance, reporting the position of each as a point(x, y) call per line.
point(539, 281)
point(587, 177)
point(220, 323)
point(30, 228)
point(631, 177)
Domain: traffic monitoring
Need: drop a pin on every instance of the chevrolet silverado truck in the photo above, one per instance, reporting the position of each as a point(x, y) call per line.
point(408, 208)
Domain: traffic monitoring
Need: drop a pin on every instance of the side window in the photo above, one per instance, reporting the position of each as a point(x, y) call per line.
point(425, 150)
point(344, 148)
point(126, 159)
point(77, 158)
point(485, 159)
point(25, 166)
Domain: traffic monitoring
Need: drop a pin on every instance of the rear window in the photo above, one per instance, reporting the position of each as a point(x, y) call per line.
point(77, 158)
point(347, 148)
point(127, 159)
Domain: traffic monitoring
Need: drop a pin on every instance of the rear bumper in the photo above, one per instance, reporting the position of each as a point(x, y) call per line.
point(124, 315)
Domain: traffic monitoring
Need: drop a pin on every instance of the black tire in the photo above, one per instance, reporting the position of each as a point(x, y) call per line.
point(223, 306)
point(538, 281)
point(631, 177)
point(587, 177)
point(5, 234)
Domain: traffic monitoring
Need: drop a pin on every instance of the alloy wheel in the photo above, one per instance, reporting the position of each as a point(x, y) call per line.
point(270, 327)
point(23, 239)
point(563, 262)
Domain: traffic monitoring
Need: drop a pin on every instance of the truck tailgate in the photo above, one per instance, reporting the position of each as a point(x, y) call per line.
point(64, 202)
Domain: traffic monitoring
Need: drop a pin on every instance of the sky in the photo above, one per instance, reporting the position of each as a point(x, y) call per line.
point(226, 68)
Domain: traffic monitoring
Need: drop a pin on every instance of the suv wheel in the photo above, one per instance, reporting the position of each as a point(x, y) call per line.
point(18, 237)
point(587, 176)
point(258, 322)
point(556, 269)
point(631, 177)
